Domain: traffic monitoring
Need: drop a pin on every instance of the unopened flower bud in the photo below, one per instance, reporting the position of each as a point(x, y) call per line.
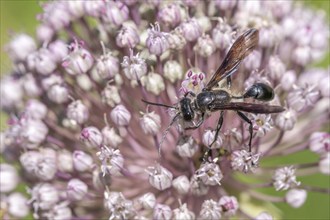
point(110, 95)
point(270, 35)
point(186, 146)
point(173, 71)
point(183, 213)
point(59, 50)
point(253, 61)
point(150, 123)
point(78, 61)
point(208, 138)
point(33, 133)
point(9, 178)
point(209, 174)
point(288, 79)
point(160, 177)
point(210, 210)
point(58, 93)
point(17, 205)
point(78, 112)
point(127, 37)
point(91, 136)
point(302, 55)
point(81, 161)
point(76, 190)
point(222, 35)
point(36, 109)
point(60, 211)
point(120, 115)
point(296, 197)
point(147, 201)
point(30, 86)
point(205, 46)
point(20, 47)
point(319, 142)
point(229, 205)
point(181, 184)
point(110, 137)
point(44, 33)
point(45, 63)
point(162, 212)
point(176, 40)
point(191, 29)
point(285, 178)
point(286, 120)
point(65, 161)
point(153, 82)
point(324, 164)
point(301, 97)
point(9, 98)
point(226, 5)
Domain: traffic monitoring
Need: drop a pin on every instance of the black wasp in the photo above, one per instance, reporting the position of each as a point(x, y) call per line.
point(213, 99)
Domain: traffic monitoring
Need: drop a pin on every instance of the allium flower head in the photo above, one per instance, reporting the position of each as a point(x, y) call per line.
point(97, 100)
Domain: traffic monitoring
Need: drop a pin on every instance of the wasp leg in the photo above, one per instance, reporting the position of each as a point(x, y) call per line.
point(219, 125)
point(199, 123)
point(190, 93)
point(245, 118)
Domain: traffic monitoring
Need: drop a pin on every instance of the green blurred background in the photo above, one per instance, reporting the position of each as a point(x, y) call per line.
point(20, 16)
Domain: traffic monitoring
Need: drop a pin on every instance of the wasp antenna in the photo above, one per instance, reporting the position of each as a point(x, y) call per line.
point(166, 132)
point(157, 104)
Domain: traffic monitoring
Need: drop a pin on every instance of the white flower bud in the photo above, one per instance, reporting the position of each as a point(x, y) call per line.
point(288, 79)
point(44, 33)
point(205, 46)
point(160, 177)
point(181, 184)
point(186, 146)
point(76, 190)
point(162, 212)
point(153, 82)
point(209, 174)
point(324, 164)
point(78, 112)
point(319, 142)
point(205, 23)
point(45, 63)
point(30, 86)
point(264, 216)
point(176, 40)
point(286, 120)
point(60, 211)
point(58, 93)
point(170, 14)
point(222, 35)
point(208, 138)
point(110, 137)
point(65, 161)
point(299, 98)
point(59, 50)
point(9, 178)
point(210, 210)
point(183, 213)
point(20, 47)
point(276, 68)
point(127, 36)
point(296, 197)
point(147, 201)
point(107, 66)
point(173, 71)
point(157, 42)
point(190, 29)
point(17, 205)
point(9, 98)
point(92, 137)
point(81, 161)
point(36, 109)
point(150, 123)
point(253, 61)
point(120, 115)
point(78, 61)
point(115, 13)
point(229, 205)
point(134, 67)
point(33, 133)
point(45, 196)
point(110, 95)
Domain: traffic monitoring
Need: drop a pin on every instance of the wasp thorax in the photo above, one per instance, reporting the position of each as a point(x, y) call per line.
point(186, 109)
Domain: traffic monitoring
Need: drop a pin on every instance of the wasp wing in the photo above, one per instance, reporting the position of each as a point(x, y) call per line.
point(242, 47)
point(248, 107)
